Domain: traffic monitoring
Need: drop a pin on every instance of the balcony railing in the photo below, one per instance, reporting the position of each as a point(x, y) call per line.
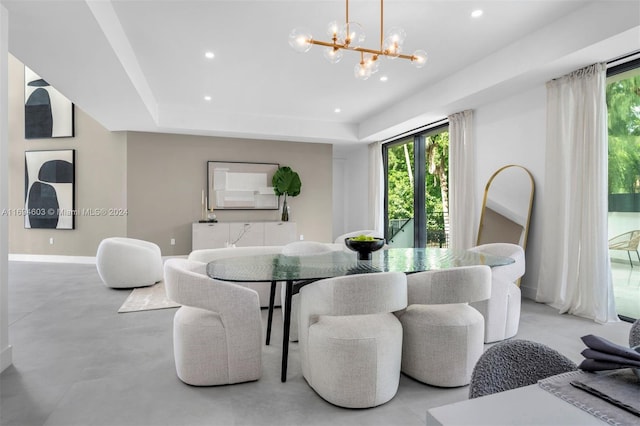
point(436, 233)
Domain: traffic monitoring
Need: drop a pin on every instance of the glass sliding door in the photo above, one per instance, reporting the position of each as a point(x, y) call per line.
point(623, 109)
point(416, 189)
point(399, 194)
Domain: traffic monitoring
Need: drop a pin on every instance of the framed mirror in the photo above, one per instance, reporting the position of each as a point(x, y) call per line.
point(506, 208)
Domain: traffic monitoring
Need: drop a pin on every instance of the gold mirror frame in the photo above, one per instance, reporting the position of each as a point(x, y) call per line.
point(508, 222)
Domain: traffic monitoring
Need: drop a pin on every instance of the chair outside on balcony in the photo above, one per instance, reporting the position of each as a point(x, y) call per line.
point(629, 241)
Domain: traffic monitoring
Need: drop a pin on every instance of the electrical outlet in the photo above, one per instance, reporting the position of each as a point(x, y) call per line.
point(51, 240)
point(173, 241)
point(301, 237)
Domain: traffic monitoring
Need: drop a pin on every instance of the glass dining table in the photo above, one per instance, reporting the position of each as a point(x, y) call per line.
point(298, 271)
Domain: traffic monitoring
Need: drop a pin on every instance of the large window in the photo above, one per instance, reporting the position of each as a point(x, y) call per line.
point(416, 189)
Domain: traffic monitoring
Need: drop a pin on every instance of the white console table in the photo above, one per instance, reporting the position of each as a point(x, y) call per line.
point(242, 234)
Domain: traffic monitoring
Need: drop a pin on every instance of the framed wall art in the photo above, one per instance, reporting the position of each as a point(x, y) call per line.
point(47, 113)
point(246, 186)
point(49, 189)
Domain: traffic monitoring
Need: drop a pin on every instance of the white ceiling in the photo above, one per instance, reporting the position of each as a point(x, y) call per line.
point(140, 65)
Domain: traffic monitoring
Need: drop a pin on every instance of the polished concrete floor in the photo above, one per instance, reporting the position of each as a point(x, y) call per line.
point(78, 362)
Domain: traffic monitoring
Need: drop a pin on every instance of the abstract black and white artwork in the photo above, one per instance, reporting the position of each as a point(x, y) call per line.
point(244, 186)
point(49, 178)
point(47, 113)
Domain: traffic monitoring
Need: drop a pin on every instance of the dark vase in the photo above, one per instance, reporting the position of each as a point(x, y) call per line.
point(285, 210)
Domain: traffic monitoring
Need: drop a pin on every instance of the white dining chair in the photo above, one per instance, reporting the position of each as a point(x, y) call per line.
point(299, 248)
point(443, 336)
point(350, 342)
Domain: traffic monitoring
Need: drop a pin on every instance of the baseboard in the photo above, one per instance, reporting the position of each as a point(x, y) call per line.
point(528, 292)
point(6, 358)
point(52, 258)
point(90, 260)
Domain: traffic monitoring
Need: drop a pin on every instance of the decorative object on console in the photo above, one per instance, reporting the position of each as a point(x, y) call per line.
point(286, 182)
point(240, 186)
point(50, 189)
point(364, 245)
point(349, 36)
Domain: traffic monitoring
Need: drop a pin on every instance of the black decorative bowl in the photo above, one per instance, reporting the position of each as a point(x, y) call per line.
point(364, 248)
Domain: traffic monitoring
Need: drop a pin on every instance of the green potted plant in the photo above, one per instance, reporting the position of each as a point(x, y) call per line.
point(286, 182)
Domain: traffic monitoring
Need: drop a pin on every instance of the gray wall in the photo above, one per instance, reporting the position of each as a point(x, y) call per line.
point(167, 173)
point(100, 179)
point(157, 178)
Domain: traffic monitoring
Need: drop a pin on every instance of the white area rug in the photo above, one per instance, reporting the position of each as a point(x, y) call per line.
point(147, 299)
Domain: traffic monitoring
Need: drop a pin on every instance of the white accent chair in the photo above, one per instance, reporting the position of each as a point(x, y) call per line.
point(369, 232)
point(300, 248)
point(502, 311)
point(350, 342)
point(263, 288)
point(442, 335)
point(217, 331)
point(127, 262)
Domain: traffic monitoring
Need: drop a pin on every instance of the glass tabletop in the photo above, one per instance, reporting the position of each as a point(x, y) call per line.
point(278, 267)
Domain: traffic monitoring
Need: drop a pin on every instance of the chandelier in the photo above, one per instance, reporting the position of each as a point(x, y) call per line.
point(350, 36)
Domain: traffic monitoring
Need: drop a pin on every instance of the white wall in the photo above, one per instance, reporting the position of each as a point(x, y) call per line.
point(508, 131)
point(513, 131)
point(5, 348)
point(350, 189)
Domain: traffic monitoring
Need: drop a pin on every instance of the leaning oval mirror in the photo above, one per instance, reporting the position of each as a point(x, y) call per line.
point(506, 209)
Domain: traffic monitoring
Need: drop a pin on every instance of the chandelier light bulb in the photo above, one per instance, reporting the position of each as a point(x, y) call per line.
point(372, 64)
point(333, 31)
point(391, 48)
point(352, 34)
point(362, 72)
point(332, 55)
point(419, 59)
point(300, 40)
point(397, 35)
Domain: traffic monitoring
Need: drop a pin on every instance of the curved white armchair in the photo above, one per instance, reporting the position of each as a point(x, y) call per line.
point(502, 311)
point(442, 335)
point(350, 342)
point(300, 248)
point(217, 331)
point(263, 289)
point(127, 262)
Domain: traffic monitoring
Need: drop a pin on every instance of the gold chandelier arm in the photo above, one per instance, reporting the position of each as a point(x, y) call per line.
point(381, 23)
point(357, 49)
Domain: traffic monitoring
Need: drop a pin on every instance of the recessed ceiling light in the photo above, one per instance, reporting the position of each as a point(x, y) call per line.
point(207, 98)
point(384, 78)
point(476, 13)
point(337, 110)
point(209, 55)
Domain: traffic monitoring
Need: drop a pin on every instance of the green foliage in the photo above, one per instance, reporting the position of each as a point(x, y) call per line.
point(400, 179)
point(286, 182)
point(623, 106)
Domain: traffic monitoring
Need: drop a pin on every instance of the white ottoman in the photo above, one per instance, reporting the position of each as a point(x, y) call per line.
point(127, 263)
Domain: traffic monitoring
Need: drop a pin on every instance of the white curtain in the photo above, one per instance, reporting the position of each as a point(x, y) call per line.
point(376, 186)
point(575, 271)
point(462, 177)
